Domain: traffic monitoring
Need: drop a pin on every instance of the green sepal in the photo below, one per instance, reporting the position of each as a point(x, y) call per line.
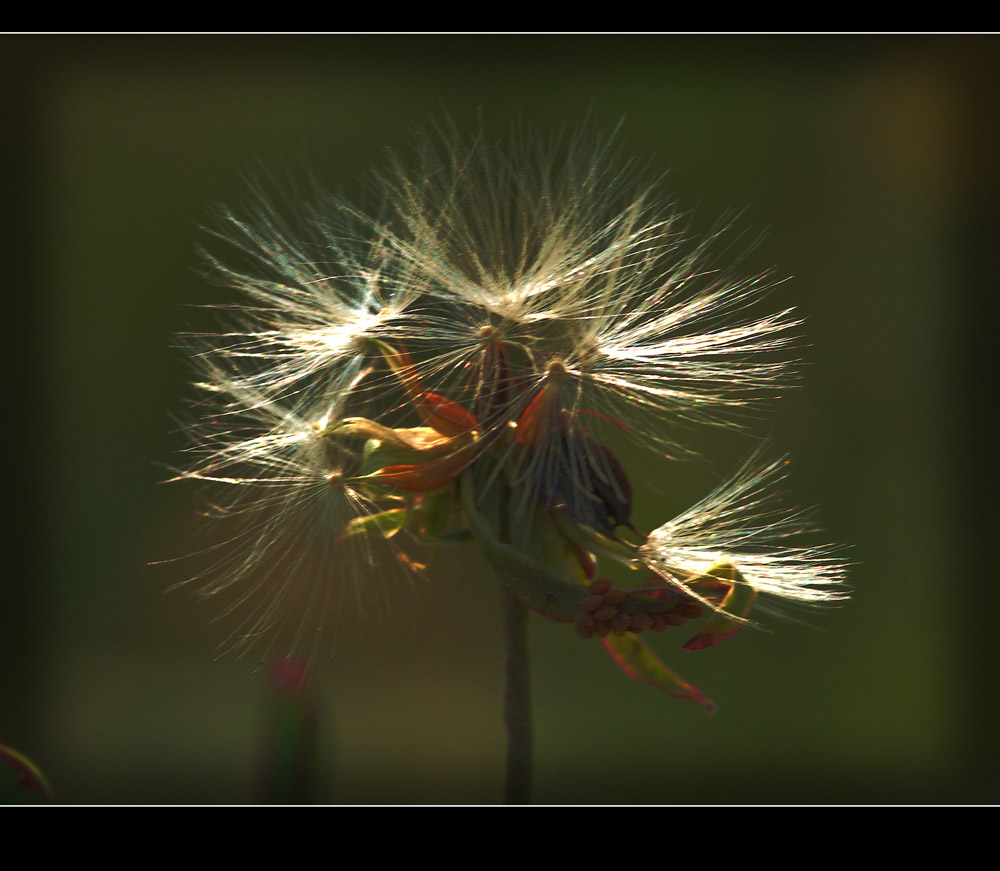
point(384, 523)
point(638, 661)
point(539, 589)
point(535, 534)
point(380, 454)
point(434, 511)
point(458, 536)
point(594, 541)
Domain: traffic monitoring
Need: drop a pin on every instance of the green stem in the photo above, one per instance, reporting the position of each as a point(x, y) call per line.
point(517, 701)
point(517, 692)
point(287, 773)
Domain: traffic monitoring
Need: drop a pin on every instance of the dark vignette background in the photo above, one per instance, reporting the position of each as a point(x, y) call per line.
point(872, 164)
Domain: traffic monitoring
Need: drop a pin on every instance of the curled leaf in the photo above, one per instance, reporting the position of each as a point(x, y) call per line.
point(733, 610)
point(21, 781)
point(413, 442)
point(638, 661)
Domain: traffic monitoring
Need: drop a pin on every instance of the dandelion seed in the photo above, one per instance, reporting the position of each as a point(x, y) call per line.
point(572, 260)
point(747, 522)
point(316, 297)
point(298, 541)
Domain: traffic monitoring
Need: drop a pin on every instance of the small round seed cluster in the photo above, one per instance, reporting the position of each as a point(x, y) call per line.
point(604, 611)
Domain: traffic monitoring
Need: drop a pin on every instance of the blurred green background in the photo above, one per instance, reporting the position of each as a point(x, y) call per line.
point(870, 162)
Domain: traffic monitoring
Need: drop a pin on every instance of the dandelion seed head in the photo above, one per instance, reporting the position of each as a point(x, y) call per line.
point(747, 521)
point(292, 555)
point(514, 307)
point(565, 250)
point(555, 370)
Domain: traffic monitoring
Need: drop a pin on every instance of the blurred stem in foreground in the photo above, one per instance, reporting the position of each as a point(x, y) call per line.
point(517, 701)
point(288, 754)
point(21, 781)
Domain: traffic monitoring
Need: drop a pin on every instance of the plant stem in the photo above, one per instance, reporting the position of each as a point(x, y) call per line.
point(517, 701)
point(287, 766)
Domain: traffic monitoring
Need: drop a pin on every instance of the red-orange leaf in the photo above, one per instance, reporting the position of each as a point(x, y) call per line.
point(421, 477)
point(537, 418)
point(447, 417)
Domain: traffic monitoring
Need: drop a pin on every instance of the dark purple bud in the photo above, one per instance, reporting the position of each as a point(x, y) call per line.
point(582, 478)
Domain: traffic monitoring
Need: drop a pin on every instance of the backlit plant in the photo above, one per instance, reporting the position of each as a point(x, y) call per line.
point(459, 368)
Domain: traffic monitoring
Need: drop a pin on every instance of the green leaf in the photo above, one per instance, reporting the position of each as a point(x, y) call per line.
point(638, 661)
